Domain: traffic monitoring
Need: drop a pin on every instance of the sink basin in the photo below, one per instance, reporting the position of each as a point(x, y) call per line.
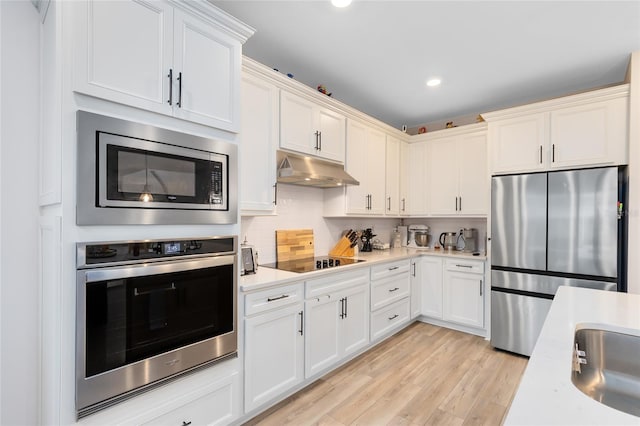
point(606, 368)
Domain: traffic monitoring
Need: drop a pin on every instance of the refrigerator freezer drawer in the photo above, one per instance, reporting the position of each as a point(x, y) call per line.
point(516, 321)
point(545, 284)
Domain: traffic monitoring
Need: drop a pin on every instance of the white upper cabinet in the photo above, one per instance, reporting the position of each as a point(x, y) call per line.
point(309, 128)
point(589, 129)
point(154, 56)
point(392, 173)
point(366, 163)
point(413, 201)
point(258, 142)
point(458, 177)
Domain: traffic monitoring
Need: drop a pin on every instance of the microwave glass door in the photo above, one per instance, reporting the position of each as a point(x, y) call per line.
point(140, 173)
point(130, 319)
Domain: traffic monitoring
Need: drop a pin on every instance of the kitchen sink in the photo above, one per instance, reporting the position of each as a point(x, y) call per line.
point(606, 368)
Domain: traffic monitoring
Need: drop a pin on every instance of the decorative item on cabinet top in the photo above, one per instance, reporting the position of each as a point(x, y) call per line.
point(309, 171)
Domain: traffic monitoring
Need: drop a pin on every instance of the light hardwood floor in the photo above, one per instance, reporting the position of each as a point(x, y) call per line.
point(424, 375)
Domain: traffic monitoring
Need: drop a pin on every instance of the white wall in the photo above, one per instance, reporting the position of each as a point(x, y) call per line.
point(19, 118)
point(302, 207)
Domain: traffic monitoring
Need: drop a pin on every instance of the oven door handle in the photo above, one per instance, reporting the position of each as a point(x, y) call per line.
point(130, 271)
point(155, 290)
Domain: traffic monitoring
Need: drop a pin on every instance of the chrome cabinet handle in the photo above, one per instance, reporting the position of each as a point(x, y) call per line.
point(179, 103)
point(389, 201)
point(317, 147)
point(391, 290)
point(553, 153)
point(480, 287)
point(342, 308)
point(414, 269)
point(186, 423)
point(301, 313)
point(540, 154)
point(403, 202)
point(464, 266)
point(346, 307)
point(460, 204)
point(275, 194)
point(393, 317)
point(320, 140)
point(393, 268)
point(456, 203)
point(170, 75)
point(272, 299)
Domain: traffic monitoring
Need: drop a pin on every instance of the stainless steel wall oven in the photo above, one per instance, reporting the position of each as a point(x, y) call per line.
point(150, 310)
point(131, 173)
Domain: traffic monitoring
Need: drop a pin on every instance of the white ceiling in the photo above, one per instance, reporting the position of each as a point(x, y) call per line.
point(376, 56)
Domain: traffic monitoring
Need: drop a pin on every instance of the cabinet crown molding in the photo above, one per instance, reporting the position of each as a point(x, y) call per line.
point(560, 102)
point(447, 133)
point(217, 17)
point(283, 82)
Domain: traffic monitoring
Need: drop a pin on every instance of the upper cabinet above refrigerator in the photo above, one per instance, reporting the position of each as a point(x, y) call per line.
point(584, 130)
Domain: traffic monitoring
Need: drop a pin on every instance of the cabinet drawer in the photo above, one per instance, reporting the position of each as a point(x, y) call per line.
point(272, 298)
point(389, 290)
point(334, 282)
point(215, 407)
point(389, 318)
point(389, 269)
point(462, 265)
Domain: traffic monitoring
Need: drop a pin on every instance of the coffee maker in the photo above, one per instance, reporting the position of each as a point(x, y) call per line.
point(366, 237)
point(470, 238)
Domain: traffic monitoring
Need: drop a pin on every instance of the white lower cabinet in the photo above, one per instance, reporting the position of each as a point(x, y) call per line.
point(463, 292)
point(431, 279)
point(390, 301)
point(213, 407)
point(337, 319)
point(274, 344)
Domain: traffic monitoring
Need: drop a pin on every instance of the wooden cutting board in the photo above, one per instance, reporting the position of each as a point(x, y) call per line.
point(294, 244)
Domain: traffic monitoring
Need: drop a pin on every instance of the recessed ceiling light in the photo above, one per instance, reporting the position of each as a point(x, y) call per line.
point(434, 82)
point(341, 3)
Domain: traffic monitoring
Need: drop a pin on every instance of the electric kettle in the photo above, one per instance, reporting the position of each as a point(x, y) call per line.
point(448, 240)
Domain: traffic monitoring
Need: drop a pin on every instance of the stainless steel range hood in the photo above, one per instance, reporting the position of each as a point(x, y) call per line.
point(308, 171)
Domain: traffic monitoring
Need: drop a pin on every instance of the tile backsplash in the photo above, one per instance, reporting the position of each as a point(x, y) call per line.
point(302, 207)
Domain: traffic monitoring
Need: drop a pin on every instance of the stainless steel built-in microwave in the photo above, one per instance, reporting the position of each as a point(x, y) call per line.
point(131, 173)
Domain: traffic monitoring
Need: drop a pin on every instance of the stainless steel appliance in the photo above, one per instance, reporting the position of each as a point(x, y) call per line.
point(469, 237)
point(131, 173)
point(419, 236)
point(312, 263)
point(148, 311)
point(552, 229)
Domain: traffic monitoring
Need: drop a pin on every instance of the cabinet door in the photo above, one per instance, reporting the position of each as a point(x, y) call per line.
point(207, 84)
point(416, 288)
point(519, 144)
point(375, 152)
point(332, 128)
point(444, 172)
point(463, 298)
point(473, 188)
point(392, 176)
point(416, 201)
point(356, 165)
point(354, 326)
point(124, 52)
point(590, 134)
point(321, 346)
point(258, 141)
point(431, 278)
point(297, 123)
point(274, 354)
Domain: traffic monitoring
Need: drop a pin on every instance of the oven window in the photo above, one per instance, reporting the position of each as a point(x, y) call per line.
point(128, 320)
point(167, 177)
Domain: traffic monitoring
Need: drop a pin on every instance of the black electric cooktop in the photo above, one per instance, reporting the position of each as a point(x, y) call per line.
point(312, 264)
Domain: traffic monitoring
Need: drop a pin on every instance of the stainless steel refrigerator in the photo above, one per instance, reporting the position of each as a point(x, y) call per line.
point(547, 230)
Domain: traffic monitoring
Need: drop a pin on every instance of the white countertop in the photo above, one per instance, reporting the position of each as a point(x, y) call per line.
point(267, 277)
point(546, 395)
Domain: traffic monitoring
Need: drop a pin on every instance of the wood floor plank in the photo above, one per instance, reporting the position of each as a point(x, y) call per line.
point(424, 375)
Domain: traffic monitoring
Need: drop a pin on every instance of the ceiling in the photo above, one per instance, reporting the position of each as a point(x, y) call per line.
point(376, 56)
